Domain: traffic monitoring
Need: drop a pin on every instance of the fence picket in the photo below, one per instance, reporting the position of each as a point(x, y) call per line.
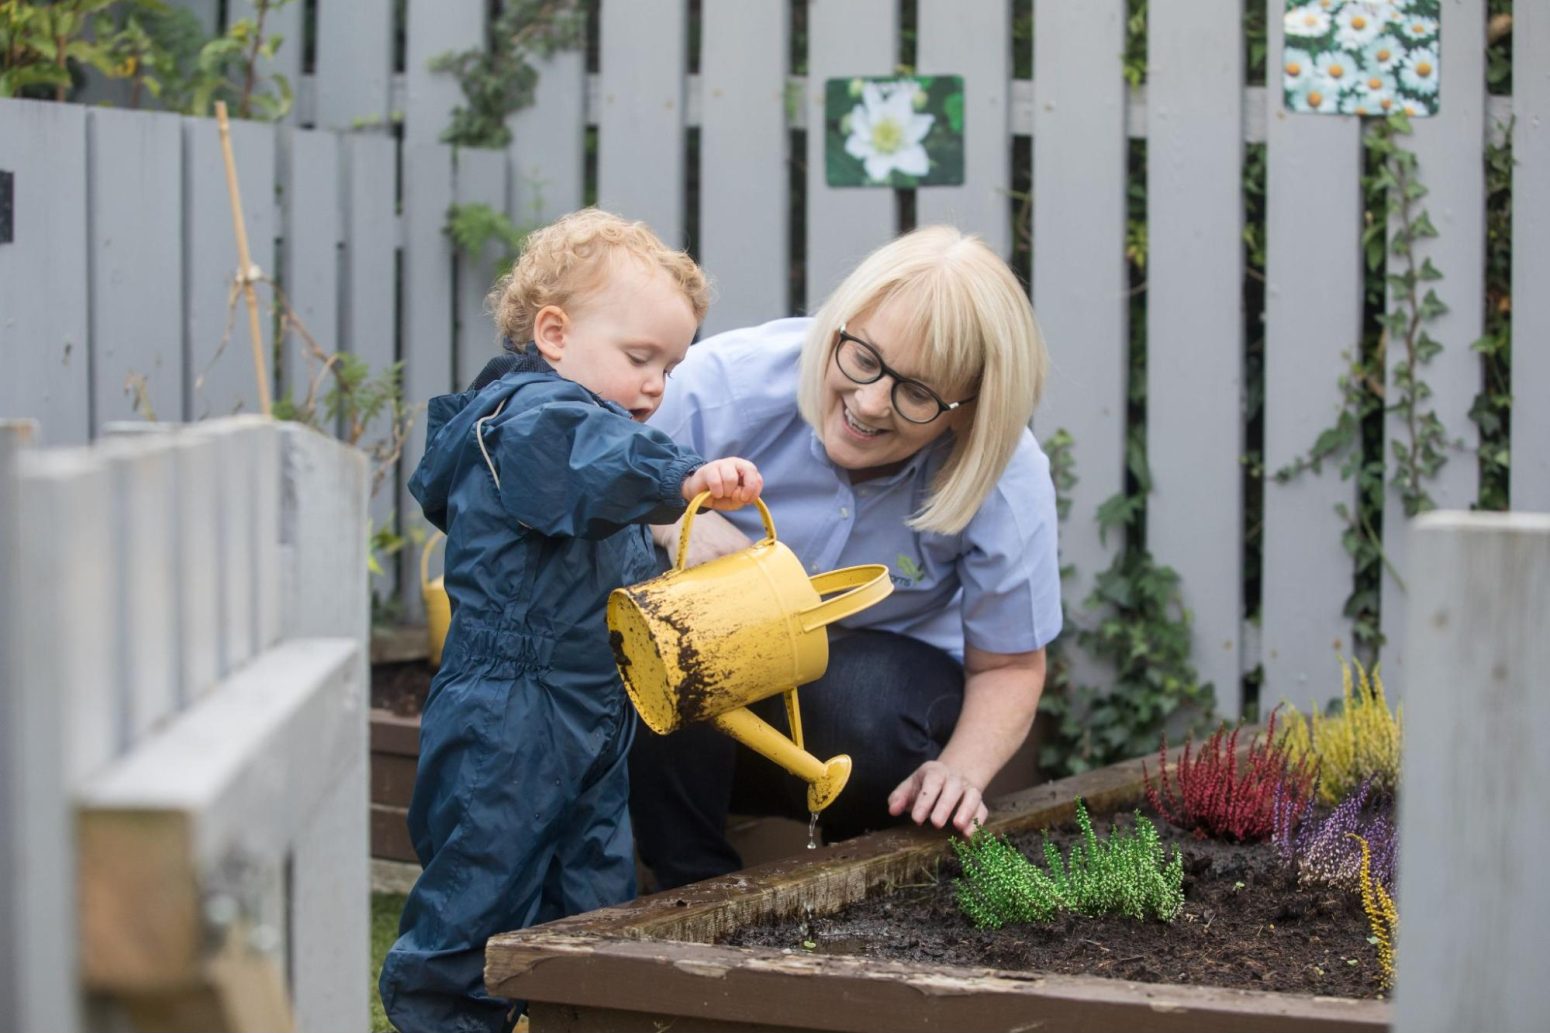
point(44, 270)
point(549, 142)
point(1530, 488)
point(1313, 207)
point(973, 40)
point(144, 572)
point(221, 378)
point(265, 444)
point(843, 223)
point(480, 178)
point(1194, 340)
point(323, 554)
point(135, 163)
point(234, 502)
point(65, 613)
point(1080, 286)
point(369, 317)
point(640, 123)
point(354, 65)
point(744, 149)
point(1455, 180)
point(199, 571)
point(309, 264)
point(436, 27)
point(427, 325)
point(37, 985)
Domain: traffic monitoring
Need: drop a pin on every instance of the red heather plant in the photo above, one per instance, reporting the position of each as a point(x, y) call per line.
point(1215, 799)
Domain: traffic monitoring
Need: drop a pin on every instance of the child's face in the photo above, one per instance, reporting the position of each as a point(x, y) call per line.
point(623, 339)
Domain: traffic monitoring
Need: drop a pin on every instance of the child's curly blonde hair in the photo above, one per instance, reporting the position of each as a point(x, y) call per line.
point(571, 257)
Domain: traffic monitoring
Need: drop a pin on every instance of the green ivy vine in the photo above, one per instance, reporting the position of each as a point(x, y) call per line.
point(1396, 224)
point(500, 78)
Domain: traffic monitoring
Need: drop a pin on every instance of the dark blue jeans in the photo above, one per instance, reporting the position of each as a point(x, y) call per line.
point(890, 701)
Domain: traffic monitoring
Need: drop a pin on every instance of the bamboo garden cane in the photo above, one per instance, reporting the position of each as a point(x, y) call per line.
point(246, 273)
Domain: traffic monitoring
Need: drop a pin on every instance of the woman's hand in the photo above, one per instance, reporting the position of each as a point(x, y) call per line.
point(732, 483)
point(1000, 694)
point(937, 793)
point(713, 536)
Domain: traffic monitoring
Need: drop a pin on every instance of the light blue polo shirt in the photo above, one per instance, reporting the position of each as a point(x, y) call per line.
point(994, 585)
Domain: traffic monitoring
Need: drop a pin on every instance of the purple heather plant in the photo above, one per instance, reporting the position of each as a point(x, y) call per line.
point(1325, 849)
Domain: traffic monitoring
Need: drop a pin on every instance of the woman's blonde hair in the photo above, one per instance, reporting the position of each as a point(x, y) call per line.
point(948, 290)
point(570, 258)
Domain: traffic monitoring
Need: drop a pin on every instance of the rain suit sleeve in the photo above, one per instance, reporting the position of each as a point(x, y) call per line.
point(574, 468)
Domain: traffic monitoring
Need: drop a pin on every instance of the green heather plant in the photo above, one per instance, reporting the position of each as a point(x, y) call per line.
point(1125, 873)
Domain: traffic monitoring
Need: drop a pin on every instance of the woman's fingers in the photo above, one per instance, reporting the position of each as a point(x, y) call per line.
point(971, 809)
point(936, 793)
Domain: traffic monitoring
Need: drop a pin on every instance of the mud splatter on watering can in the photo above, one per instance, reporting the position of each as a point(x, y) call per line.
point(702, 643)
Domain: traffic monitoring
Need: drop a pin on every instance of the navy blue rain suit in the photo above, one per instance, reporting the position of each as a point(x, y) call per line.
point(519, 812)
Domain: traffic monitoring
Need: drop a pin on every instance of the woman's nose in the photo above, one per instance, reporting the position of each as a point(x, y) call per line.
point(876, 398)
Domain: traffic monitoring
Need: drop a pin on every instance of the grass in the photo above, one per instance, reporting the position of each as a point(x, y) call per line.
point(385, 909)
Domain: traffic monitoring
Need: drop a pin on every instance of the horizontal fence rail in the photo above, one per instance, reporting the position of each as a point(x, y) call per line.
point(128, 211)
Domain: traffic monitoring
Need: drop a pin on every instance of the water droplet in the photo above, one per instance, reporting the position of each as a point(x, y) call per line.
point(812, 830)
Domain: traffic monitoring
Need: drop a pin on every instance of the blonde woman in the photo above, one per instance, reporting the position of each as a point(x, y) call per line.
point(892, 427)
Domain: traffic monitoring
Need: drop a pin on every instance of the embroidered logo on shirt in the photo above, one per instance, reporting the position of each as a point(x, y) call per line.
point(908, 571)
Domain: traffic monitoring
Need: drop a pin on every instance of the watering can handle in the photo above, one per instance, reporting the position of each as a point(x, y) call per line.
point(425, 557)
point(868, 583)
point(683, 535)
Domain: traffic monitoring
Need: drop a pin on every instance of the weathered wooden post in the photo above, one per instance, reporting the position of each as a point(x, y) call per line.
point(37, 937)
point(1473, 896)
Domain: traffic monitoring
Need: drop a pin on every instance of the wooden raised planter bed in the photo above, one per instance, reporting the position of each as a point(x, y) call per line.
point(653, 964)
point(395, 749)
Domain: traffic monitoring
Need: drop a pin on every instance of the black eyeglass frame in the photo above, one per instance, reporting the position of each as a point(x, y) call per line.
point(899, 379)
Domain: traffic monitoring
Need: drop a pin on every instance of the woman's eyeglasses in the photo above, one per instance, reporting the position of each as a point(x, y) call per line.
point(912, 400)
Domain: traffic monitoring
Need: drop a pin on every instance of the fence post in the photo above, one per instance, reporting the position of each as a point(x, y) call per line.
point(37, 934)
point(324, 592)
point(1474, 900)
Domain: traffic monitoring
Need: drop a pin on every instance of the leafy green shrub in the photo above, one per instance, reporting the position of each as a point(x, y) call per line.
point(1124, 874)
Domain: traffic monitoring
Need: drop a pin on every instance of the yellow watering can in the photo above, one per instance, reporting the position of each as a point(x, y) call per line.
point(438, 607)
point(703, 643)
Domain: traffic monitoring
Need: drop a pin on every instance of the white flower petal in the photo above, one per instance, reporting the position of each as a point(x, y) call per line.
point(878, 166)
point(912, 161)
point(917, 128)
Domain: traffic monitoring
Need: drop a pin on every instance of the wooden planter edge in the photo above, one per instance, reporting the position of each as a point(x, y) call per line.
point(634, 957)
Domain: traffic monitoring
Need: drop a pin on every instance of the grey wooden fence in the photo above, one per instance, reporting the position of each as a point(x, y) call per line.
point(123, 249)
point(183, 731)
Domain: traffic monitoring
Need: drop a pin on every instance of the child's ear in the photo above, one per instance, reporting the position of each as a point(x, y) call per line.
point(550, 326)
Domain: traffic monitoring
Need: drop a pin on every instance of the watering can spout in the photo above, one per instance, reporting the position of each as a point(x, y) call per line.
point(702, 644)
point(824, 778)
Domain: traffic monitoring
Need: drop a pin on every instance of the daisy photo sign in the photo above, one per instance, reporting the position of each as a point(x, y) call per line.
point(1362, 57)
point(894, 131)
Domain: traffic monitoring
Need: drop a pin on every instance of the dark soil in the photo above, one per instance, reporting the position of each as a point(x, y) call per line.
point(1246, 923)
point(401, 687)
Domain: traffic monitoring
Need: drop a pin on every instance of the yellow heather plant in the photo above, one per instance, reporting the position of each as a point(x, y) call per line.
point(1382, 915)
point(1361, 742)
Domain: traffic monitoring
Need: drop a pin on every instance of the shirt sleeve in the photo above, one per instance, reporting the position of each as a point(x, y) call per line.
point(734, 389)
point(575, 468)
point(1010, 567)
